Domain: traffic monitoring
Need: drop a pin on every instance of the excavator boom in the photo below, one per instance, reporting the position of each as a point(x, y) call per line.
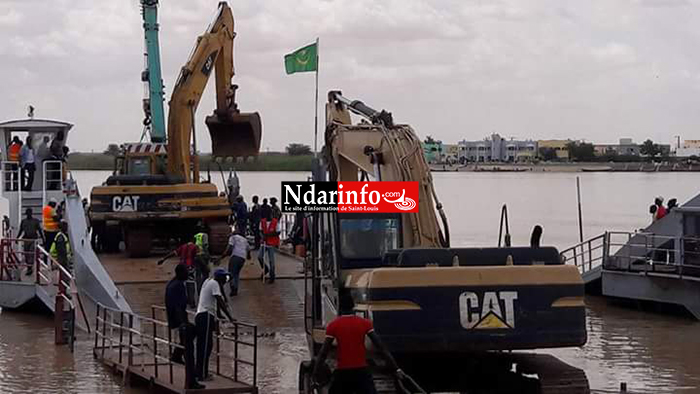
point(233, 133)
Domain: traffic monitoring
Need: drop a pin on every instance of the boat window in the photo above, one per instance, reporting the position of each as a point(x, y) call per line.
point(139, 166)
point(365, 239)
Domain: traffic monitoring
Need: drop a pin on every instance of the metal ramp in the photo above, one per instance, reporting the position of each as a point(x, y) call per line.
point(140, 348)
point(90, 276)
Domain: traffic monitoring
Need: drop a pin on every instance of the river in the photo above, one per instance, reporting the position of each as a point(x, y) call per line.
point(652, 352)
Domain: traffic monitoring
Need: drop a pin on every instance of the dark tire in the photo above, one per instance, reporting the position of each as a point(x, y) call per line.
point(138, 241)
point(218, 237)
point(305, 378)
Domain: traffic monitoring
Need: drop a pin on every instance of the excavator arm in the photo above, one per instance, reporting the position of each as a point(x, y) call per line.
point(386, 152)
point(233, 133)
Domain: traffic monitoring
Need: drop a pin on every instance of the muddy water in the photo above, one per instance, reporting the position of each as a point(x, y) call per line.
point(652, 352)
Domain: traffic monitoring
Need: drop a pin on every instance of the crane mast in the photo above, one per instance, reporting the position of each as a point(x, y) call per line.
point(154, 120)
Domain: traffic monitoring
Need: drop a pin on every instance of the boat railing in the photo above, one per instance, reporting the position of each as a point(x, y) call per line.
point(57, 280)
point(11, 175)
point(147, 343)
point(637, 252)
point(16, 254)
point(53, 177)
point(653, 253)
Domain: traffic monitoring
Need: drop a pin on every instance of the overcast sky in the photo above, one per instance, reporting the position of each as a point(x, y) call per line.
point(453, 69)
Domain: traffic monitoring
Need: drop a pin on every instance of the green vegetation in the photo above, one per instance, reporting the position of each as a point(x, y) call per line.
point(581, 151)
point(295, 149)
point(271, 161)
point(650, 149)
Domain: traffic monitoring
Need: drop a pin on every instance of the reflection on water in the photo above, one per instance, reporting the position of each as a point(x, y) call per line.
point(654, 353)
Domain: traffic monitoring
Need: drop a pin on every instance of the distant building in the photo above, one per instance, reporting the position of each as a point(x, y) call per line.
point(433, 152)
point(689, 148)
point(625, 147)
point(497, 148)
point(451, 153)
point(559, 146)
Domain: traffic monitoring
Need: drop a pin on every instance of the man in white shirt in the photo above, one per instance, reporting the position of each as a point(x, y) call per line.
point(210, 297)
point(27, 162)
point(239, 249)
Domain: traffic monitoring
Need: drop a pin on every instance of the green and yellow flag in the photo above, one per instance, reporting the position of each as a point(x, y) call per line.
point(302, 60)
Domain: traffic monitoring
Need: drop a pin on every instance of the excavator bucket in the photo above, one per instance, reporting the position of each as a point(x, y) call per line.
point(236, 135)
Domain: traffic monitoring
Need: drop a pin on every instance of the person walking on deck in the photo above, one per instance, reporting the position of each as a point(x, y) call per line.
point(210, 298)
point(60, 249)
point(239, 249)
point(270, 229)
point(50, 219)
point(176, 310)
point(352, 375)
point(276, 211)
point(187, 253)
point(240, 210)
point(201, 261)
point(30, 231)
point(254, 222)
point(27, 160)
point(265, 209)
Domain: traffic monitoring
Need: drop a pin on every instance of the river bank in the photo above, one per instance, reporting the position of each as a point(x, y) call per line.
point(277, 161)
point(567, 167)
point(273, 161)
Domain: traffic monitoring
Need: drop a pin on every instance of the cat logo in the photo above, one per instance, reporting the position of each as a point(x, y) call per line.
point(125, 204)
point(494, 311)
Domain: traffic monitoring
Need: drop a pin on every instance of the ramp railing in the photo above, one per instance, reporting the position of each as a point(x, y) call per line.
point(136, 341)
point(588, 254)
point(43, 270)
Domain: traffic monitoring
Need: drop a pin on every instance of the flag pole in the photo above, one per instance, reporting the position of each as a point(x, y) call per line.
point(316, 106)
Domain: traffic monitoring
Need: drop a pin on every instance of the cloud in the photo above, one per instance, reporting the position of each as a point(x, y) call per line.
point(450, 68)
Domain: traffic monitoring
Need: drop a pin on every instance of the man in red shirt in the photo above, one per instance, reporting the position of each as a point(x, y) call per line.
point(351, 375)
point(186, 252)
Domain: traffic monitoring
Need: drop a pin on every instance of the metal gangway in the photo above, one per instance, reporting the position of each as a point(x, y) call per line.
point(29, 273)
point(140, 348)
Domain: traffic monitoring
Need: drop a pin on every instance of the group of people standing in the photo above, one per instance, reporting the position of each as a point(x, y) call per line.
point(212, 306)
point(262, 221)
point(657, 209)
point(27, 157)
point(51, 231)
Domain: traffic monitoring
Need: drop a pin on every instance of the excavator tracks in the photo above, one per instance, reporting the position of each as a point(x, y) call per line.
point(554, 375)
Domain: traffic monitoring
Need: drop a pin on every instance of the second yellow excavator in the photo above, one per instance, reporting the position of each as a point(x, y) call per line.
point(155, 194)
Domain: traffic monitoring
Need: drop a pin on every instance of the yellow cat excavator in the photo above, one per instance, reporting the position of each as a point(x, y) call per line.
point(450, 315)
point(155, 194)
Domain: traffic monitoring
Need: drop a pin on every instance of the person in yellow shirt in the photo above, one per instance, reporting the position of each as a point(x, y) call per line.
point(50, 219)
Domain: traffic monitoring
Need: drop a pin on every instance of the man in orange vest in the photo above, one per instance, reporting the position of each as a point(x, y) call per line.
point(270, 229)
point(13, 156)
point(50, 219)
